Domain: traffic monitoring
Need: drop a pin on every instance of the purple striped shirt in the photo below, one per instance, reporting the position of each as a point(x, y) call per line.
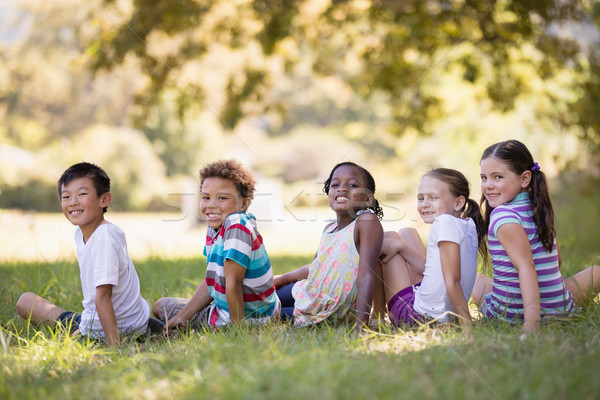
point(505, 301)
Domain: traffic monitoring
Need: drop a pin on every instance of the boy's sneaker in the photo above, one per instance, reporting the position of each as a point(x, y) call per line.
point(155, 326)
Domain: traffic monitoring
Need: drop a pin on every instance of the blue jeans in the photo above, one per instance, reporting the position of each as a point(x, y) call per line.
point(69, 320)
point(287, 302)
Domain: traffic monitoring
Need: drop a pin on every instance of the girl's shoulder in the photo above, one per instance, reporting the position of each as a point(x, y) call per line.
point(451, 219)
point(447, 221)
point(367, 218)
point(368, 223)
point(367, 214)
point(505, 210)
point(447, 218)
point(332, 225)
point(520, 203)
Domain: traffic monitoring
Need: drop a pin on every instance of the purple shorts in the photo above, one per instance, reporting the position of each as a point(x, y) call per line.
point(400, 308)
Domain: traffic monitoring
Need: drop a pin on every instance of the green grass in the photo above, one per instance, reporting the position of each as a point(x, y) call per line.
point(279, 361)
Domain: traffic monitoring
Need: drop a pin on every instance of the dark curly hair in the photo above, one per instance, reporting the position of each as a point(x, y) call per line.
point(230, 169)
point(370, 185)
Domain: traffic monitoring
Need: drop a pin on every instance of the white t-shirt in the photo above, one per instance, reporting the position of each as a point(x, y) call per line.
point(431, 298)
point(104, 260)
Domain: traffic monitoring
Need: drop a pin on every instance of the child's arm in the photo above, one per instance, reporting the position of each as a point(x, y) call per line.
point(291, 277)
point(199, 301)
point(450, 259)
point(393, 244)
point(234, 276)
point(369, 238)
point(390, 246)
point(295, 275)
point(514, 240)
point(106, 313)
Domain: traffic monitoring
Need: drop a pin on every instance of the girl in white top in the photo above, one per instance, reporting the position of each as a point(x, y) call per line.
point(419, 285)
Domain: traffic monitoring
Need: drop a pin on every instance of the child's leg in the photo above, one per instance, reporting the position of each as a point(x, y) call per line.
point(483, 285)
point(379, 303)
point(287, 301)
point(411, 237)
point(584, 284)
point(156, 307)
point(398, 275)
point(31, 306)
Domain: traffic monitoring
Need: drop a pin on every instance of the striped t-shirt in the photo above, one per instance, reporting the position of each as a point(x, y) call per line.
point(505, 301)
point(239, 240)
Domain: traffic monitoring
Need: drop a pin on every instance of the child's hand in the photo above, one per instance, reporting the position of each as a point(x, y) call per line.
point(278, 281)
point(531, 326)
point(392, 243)
point(174, 323)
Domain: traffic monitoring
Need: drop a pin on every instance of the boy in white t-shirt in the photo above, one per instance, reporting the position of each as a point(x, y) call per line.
point(112, 303)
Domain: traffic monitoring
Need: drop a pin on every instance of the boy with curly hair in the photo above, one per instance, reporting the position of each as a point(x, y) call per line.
point(239, 279)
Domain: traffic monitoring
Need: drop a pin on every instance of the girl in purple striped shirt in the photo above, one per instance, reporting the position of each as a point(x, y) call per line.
point(527, 284)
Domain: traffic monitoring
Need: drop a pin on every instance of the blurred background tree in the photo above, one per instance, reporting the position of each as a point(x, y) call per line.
point(153, 89)
point(374, 48)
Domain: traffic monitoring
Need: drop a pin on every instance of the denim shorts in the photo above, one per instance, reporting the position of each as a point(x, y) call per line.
point(69, 320)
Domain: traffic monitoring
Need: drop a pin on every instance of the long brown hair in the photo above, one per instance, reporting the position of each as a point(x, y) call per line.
point(518, 159)
point(459, 186)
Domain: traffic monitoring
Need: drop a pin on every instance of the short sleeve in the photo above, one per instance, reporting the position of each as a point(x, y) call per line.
point(237, 240)
point(105, 259)
point(501, 216)
point(448, 229)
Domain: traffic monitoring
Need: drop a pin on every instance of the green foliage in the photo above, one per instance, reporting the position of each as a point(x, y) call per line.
point(44, 80)
point(33, 195)
point(577, 216)
point(403, 86)
point(138, 179)
point(374, 46)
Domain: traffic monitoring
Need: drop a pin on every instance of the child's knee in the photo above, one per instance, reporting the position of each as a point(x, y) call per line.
point(25, 303)
point(406, 233)
point(156, 307)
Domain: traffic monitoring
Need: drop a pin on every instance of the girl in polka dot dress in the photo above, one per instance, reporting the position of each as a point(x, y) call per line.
point(339, 283)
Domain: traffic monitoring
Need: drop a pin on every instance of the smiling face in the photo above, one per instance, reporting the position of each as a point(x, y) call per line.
point(434, 199)
point(219, 198)
point(499, 184)
point(348, 191)
point(82, 206)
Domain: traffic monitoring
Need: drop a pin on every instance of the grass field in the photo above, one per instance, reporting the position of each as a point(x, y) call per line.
point(279, 361)
point(562, 361)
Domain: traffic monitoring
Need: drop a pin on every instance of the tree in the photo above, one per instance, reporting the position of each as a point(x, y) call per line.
point(46, 92)
point(374, 46)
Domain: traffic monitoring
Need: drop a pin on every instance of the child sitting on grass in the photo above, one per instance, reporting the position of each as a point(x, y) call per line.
point(420, 285)
point(527, 285)
point(112, 303)
point(338, 285)
point(239, 279)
